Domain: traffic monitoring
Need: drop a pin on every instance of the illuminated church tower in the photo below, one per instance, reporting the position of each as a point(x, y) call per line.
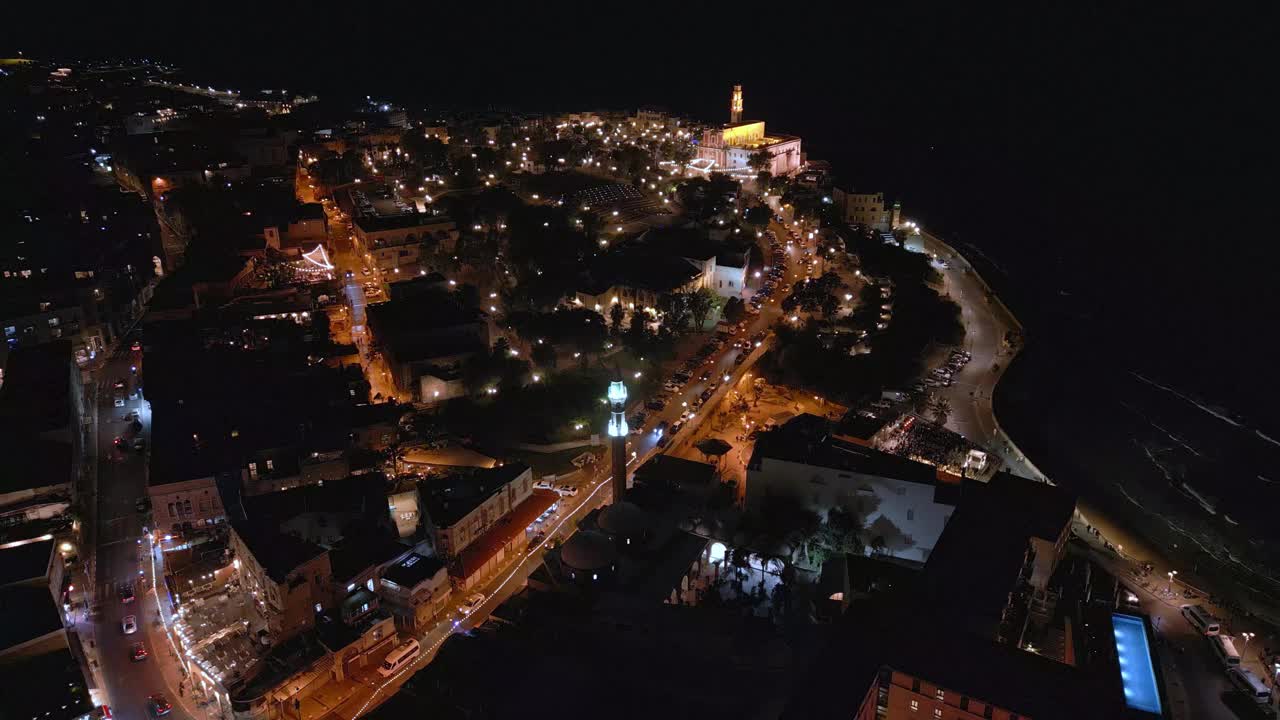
point(735, 105)
point(618, 434)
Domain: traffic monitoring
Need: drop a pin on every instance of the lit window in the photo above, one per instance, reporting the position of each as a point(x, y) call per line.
point(915, 705)
point(369, 584)
point(318, 607)
point(937, 712)
point(940, 694)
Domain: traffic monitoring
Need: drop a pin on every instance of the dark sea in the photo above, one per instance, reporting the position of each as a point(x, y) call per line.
point(1132, 244)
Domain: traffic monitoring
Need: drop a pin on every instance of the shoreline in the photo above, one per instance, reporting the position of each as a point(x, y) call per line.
point(1139, 536)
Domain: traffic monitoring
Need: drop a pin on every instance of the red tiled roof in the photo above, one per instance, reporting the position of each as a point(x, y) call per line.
point(483, 548)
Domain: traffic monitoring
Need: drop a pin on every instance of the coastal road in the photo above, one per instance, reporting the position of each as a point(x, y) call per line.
point(986, 323)
point(1194, 679)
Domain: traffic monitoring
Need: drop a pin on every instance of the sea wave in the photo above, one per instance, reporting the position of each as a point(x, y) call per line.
point(1267, 437)
point(1216, 412)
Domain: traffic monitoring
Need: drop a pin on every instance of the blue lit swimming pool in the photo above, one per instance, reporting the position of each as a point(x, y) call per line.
point(1137, 675)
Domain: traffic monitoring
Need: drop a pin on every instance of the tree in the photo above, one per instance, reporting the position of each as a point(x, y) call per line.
point(734, 309)
point(760, 160)
point(544, 356)
point(940, 408)
point(758, 216)
point(675, 311)
point(636, 337)
point(700, 303)
point(616, 314)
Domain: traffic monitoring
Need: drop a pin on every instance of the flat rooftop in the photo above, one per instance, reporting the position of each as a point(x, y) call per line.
point(448, 500)
point(25, 562)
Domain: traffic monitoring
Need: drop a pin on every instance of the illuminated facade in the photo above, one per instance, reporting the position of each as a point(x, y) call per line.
point(730, 147)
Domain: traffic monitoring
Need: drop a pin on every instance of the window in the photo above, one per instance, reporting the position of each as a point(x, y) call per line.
point(964, 703)
point(352, 586)
point(270, 465)
point(911, 515)
point(53, 322)
point(986, 712)
point(940, 694)
point(171, 510)
point(915, 685)
point(915, 705)
point(364, 608)
point(369, 584)
point(318, 608)
point(937, 713)
point(186, 507)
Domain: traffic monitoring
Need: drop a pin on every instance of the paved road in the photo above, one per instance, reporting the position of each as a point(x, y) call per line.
point(1194, 679)
point(119, 558)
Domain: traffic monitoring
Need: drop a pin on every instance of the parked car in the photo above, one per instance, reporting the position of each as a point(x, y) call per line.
point(158, 705)
point(471, 602)
point(126, 593)
point(139, 652)
point(129, 624)
point(542, 485)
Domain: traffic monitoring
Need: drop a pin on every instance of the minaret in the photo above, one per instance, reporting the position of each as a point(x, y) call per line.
point(735, 105)
point(618, 434)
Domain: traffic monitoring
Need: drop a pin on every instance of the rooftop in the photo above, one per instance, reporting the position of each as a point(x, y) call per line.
point(36, 395)
point(355, 555)
point(278, 553)
point(669, 469)
point(890, 633)
point(806, 444)
point(25, 562)
point(40, 614)
point(483, 548)
point(53, 687)
point(447, 500)
point(412, 570)
point(380, 223)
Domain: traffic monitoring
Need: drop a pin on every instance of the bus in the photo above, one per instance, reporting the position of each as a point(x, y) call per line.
point(400, 657)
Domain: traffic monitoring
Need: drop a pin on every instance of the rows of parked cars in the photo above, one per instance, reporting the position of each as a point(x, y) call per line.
point(942, 376)
point(777, 270)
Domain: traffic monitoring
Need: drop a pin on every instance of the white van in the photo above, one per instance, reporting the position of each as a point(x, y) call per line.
point(1201, 620)
point(1250, 685)
point(398, 658)
point(1225, 650)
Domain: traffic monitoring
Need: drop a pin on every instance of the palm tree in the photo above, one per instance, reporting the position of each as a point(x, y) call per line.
point(760, 160)
point(940, 407)
point(616, 313)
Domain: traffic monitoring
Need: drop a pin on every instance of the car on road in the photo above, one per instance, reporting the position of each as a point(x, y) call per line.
point(118, 442)
point(135, 346)
point(675, 428)
point(660, 428)
point(366, 272)
point(471, 602)
point(158, 705)
point(129, 624)
point(656, 404)
point(567, 491)
point(138, 653)
point(126, 593)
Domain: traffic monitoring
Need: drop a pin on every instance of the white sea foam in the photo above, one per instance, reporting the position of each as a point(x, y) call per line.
point(1212, 411)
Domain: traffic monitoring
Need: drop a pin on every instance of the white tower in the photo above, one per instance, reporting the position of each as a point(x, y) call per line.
point(618, 434)
point(735, 105)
